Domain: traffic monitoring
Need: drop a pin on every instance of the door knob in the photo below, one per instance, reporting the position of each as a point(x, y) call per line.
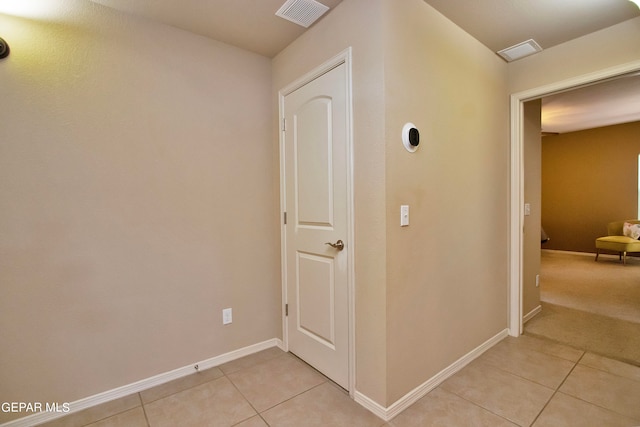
point(339, 245)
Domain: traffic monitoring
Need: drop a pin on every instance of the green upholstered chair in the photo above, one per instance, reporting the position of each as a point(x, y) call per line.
point(616, 241)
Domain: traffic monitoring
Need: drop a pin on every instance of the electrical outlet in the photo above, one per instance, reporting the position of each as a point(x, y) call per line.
point(227, 316)
point(537, 280)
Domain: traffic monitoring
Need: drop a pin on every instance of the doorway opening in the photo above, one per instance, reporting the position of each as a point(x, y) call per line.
point(517, 202)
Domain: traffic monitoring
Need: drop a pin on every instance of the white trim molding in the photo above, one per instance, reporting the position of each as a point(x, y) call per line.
point(344, 57)
point(126, 390)
point(530, 315)
point(516, 220)
point(417, 393)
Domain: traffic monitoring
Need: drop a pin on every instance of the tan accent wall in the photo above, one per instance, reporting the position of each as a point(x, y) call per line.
point(589, 178)
point(532, 196)
point(136, 185)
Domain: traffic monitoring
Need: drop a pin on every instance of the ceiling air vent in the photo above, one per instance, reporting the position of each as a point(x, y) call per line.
point(302, 12)
point(520, 50)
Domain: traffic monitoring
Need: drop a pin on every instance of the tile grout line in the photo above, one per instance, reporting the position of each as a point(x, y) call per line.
point(557, 389)
point(477, 405)
point(243, 396)
point(597, 405)
point(105, 417)
point(293, 397)
point(265, 421)
point(279, 403)
point(616, 374)
point(258, 413)
point(604, 408)
point(557, 343)
point(179, 390)
point(541, 352)
point(223, 375)
point(499, 368)
point(144, 411)
point(286, 400)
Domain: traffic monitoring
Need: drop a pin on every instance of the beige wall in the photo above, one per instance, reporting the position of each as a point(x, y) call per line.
point(415, 287)
point(532, 196)
point(446, 271)
point(332, 35)
point(409, 281)
point(136, 183)
point(139, 177)
point(589, 178)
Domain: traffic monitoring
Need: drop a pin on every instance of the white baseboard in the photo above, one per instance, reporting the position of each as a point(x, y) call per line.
point(371, 405)
point(558, 251)
point(530, 315)
point(385, 413)
point(144, 384)
point(417, 393)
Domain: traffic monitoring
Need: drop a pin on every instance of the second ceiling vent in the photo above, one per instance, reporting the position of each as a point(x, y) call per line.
point(520, 50)
point(302, 12)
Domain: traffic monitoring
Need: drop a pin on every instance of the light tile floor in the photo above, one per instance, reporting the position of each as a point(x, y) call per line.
point(521, 381)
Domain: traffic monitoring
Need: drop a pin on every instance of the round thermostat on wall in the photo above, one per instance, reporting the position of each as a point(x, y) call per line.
point(410, 137)
point(4, 48)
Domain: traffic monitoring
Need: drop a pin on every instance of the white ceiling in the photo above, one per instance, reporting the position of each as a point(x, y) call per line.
point(502, 23)
point(607, 103)
point(253, 26)
point(249, 24)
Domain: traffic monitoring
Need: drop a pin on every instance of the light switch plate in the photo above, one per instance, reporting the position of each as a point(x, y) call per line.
point(227, 316)
point(404, 215)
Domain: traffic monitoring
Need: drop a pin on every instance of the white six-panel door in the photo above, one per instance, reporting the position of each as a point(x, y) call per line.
point(315, 150)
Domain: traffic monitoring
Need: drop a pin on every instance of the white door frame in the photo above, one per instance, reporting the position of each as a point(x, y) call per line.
point(517, 177)
point(343, 57)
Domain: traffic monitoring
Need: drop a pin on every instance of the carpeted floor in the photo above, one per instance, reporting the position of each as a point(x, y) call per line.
point(591, 305)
